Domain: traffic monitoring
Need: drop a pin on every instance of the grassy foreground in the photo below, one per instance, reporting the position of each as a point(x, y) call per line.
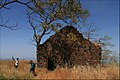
point(7, 71)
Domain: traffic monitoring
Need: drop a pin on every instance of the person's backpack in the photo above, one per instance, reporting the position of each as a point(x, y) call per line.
point(32, 65)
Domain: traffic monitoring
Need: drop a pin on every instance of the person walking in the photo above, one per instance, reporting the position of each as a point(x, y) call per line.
point(32, 67)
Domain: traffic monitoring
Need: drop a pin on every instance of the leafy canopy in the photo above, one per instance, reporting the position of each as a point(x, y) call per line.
point(49, 15)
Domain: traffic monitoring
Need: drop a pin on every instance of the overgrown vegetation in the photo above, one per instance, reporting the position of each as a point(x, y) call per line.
point(68, 47)
point(7, 71)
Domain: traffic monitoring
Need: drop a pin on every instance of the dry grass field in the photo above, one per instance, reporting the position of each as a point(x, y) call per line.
point(7, 71)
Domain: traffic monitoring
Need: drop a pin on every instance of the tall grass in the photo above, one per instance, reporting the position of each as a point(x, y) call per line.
point(7, 71)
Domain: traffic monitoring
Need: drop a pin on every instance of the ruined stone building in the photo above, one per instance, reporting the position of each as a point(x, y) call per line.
point(68, 47)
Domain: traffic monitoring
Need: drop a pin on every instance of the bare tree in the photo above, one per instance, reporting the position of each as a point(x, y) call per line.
point(105, 43)
point(90, 31)
point(3, 5)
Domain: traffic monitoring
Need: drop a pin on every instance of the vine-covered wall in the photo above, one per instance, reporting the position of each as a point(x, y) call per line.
point(68, 48)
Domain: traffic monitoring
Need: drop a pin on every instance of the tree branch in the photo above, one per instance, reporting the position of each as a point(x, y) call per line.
point(3, 24)
point(34, 30)
point(48, 32)
point(15, 27)
point(7, 3)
